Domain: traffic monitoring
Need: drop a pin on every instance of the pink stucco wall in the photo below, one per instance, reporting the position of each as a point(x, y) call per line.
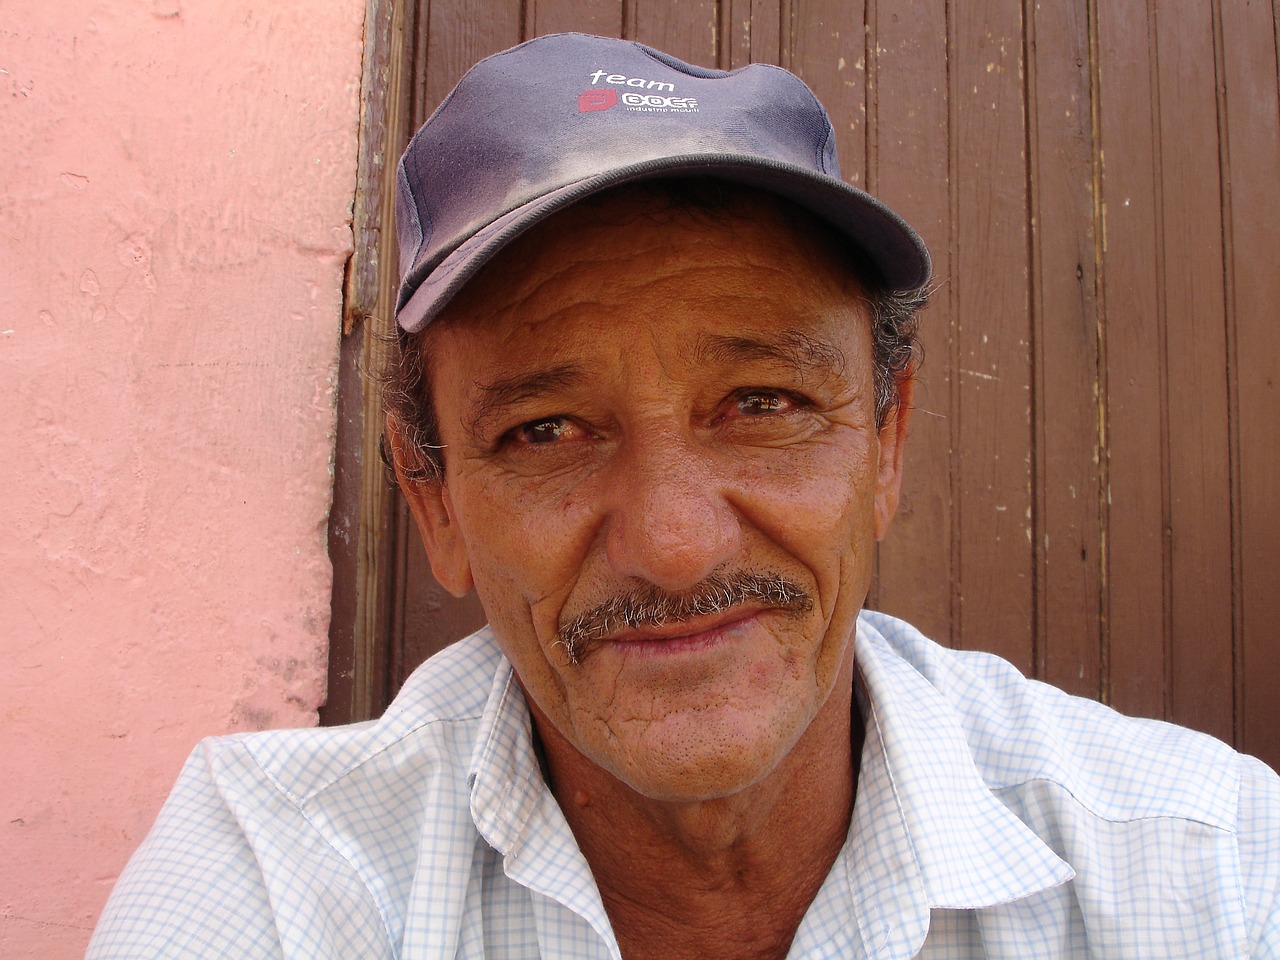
point(175, 193)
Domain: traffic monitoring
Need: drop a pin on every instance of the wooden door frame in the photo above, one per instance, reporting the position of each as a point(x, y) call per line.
point(365, 528)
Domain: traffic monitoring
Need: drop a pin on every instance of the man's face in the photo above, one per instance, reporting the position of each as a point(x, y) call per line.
point(635, 406)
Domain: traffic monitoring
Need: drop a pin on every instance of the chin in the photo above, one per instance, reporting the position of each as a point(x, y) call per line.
point(706, 764)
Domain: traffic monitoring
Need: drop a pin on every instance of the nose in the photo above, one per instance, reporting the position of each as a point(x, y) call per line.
point(672, 522)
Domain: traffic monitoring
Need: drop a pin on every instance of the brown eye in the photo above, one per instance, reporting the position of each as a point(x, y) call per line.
point(760, 402)
point(544, 431)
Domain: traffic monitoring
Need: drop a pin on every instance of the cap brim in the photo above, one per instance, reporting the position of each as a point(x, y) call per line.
point(881, 235)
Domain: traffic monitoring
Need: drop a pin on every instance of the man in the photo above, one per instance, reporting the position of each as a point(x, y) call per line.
point(654, 389)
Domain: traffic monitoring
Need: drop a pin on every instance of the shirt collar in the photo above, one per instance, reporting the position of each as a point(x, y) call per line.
point(503, 776)
point(516, 813)
point(917, 772)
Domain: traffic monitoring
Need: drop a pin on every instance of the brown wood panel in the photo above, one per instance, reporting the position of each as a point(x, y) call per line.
point(825, 43)
point(1135, 469)
point(360, 524)
point(753, 31)
point(453, 35)
point(603, 17)
point(1090, 486)
point(991, 296)
point(1067, 533)
point(1252, 141)
point(1201, 678)
point(908, 169)
point(687, 30)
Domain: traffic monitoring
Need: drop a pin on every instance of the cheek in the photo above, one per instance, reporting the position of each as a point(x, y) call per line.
point(526, 553)
point(821, 514)
point(815, 505)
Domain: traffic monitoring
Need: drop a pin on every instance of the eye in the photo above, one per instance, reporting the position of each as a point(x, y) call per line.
point(756, 403)
point(547, 430)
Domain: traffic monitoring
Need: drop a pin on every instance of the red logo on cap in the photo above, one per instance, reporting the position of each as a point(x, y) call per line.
point(590, 100)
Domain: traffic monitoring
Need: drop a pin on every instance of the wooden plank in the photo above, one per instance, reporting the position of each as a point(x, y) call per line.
point(688, 30)
point(363, 501)
point(908, 90)
point(457, 33)
point(1067, 534)
point(1201, 677)
point(825, 45)
point(991, 300)
point(601, 17)
point(1136, 607)
point(766, 30)
point(346, 668)
point(752, 29)
point(1252, 142)
point(384, 35)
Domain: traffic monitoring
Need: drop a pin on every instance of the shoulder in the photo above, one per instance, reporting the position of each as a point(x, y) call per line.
point(1172, 823)
point(302, 840)
point(433, 718)
point(1260, 855)
point(1022, 731)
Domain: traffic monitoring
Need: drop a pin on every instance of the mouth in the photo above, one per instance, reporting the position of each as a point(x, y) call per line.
point(684, 629)
point(683, 636)
point(676, 636)
point(711, 610)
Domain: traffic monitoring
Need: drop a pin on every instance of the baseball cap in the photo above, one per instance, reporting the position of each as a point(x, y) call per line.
point(533, 129)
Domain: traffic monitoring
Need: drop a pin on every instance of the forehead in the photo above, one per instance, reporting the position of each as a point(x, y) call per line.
point(691, 258)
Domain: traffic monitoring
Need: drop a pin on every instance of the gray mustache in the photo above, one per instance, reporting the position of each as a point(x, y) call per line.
point(651, 607)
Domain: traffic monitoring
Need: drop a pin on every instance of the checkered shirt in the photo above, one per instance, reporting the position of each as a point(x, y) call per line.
point(995, 817)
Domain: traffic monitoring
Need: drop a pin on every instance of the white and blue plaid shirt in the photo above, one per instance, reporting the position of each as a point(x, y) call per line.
point(995, 817)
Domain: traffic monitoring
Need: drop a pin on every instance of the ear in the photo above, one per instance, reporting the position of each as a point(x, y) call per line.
point(433, 511)
point(893, 441)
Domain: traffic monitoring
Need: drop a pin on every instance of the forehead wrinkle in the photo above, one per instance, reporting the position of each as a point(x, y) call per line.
point(490, 399)
point(804, 353)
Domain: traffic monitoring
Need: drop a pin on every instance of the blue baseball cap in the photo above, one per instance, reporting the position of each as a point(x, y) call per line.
point(533, 129)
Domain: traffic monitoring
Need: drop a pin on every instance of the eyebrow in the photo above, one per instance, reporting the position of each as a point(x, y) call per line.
point(803, 353)
point(499, 395)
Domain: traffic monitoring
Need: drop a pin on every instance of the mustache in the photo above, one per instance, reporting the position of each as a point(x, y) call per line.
point(652, 607)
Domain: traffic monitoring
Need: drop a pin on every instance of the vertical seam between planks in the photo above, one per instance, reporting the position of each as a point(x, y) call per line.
point(1102, 387)
point(719, 35)
point(409, 77)
point(1035, 321)
point(422, 45)
point(870, 178)
point(786, 37)
point(870, 109)
point(953, 292)
point(1233, 368)
point(723, 32)
point(1162, 335)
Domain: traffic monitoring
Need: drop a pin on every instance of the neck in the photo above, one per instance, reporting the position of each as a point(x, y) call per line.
point(728, 877)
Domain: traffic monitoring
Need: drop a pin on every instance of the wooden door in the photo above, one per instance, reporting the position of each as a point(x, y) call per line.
point(1091, 482)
